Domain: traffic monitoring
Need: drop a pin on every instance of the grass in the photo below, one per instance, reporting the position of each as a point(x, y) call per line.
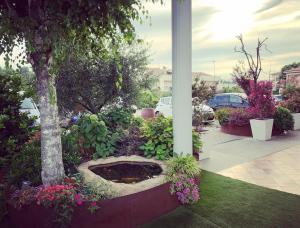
point(226, 202)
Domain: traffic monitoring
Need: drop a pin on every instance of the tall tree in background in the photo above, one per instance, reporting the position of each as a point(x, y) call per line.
point(288, 67)
point(46, 30)
point(253, 61)
point(92, 83)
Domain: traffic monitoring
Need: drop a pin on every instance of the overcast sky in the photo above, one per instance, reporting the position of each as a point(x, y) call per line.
point(216, 23)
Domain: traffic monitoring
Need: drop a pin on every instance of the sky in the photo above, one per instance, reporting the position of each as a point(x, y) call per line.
point(215, 25)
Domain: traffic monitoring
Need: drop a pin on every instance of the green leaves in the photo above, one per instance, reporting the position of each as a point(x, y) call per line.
point(159, 135)
point(186, 165)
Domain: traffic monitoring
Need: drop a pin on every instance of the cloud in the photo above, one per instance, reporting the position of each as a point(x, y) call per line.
point(269, 5)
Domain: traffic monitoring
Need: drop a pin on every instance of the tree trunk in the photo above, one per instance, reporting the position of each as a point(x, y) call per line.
point(51, 149)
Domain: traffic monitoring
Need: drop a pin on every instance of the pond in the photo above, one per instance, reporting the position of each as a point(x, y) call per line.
point(127, 172)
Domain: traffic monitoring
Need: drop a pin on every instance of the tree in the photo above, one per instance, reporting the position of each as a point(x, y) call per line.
point(92, 84)
point(254, 63)
point(287, 67)
point(46, 30)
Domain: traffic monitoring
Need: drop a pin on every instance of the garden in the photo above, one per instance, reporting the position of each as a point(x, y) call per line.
point(143, 149)
point(85, 60)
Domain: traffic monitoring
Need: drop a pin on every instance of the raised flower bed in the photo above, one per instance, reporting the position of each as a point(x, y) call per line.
point(125, 211)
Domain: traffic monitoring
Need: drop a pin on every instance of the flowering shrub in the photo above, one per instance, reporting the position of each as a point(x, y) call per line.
point(185, 189)
point(232, 116)
point(181, 172)
point(24, 196)
point(239, 117)
point(63, 198)
point(261, 100)
point(291, 97)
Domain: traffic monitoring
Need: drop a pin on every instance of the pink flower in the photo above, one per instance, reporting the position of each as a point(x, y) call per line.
point(78, 199)
point(93, 204)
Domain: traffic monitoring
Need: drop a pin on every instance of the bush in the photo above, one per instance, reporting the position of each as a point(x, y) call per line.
point(130, 142)
point(262, 104)
point(291, 95)
point(158, 133)
point(71, 149)
point(96, 137)
point(283, 119)
point(26, 165)
point(181, 172)
point(239, 117)
point(147, 99)
point(15, 127)
point(117, 117)
point(222, 115)
point(186, 165)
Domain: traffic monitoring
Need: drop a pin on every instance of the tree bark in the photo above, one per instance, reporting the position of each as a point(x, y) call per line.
point(51, 149)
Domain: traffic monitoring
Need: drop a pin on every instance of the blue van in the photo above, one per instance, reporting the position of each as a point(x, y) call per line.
point(228, 100)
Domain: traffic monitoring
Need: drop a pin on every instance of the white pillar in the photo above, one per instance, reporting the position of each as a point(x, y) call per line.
point(182, 76)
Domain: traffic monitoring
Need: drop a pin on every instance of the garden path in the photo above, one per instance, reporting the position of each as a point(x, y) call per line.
point(273, 164)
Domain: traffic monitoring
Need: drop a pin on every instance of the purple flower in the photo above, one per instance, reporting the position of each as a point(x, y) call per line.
point(191, 181)
point(186, 191)
point(178, 184)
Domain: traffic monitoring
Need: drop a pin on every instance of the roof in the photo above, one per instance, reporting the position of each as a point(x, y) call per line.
point(293, 70)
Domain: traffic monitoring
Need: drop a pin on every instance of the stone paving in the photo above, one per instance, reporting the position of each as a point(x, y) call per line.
point(279, 171)
point(274, 164)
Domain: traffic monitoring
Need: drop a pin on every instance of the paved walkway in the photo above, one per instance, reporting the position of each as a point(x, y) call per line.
point(274, 164)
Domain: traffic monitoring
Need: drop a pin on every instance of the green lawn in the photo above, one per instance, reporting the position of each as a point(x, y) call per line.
point(226, 202)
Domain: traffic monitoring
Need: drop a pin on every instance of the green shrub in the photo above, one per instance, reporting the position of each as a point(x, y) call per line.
point(96, 137)
point(222, 115)
point(158, 133)
point(147, 99)
point(283, 119)
point(117, 117)
point(71, 149)
point(197, 144)
point(185, 165)
point(15, 127)
point(26, 165)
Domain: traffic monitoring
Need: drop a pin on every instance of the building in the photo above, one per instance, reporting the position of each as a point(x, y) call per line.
point(164, 78)
point(293, 76)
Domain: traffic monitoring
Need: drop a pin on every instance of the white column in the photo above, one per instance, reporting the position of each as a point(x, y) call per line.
point(182, 76)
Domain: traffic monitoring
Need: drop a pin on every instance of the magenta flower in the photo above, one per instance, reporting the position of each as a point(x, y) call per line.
point(78, 199)
point(93, 204)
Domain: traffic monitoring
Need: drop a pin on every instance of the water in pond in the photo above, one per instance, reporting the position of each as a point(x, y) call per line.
point(127, 172)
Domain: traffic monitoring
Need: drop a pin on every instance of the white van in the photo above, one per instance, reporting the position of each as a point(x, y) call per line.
point(164, 107)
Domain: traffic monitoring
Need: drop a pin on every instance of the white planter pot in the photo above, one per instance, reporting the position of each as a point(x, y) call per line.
point(261, 129)
point(296, 117)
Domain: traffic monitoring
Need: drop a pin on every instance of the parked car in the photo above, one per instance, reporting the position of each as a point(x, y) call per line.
point(278, 99)
point(164, 107)
point(28, 106)
point(228, 100)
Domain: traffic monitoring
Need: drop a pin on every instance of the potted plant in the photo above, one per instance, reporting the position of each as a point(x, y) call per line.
point(262, 110)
